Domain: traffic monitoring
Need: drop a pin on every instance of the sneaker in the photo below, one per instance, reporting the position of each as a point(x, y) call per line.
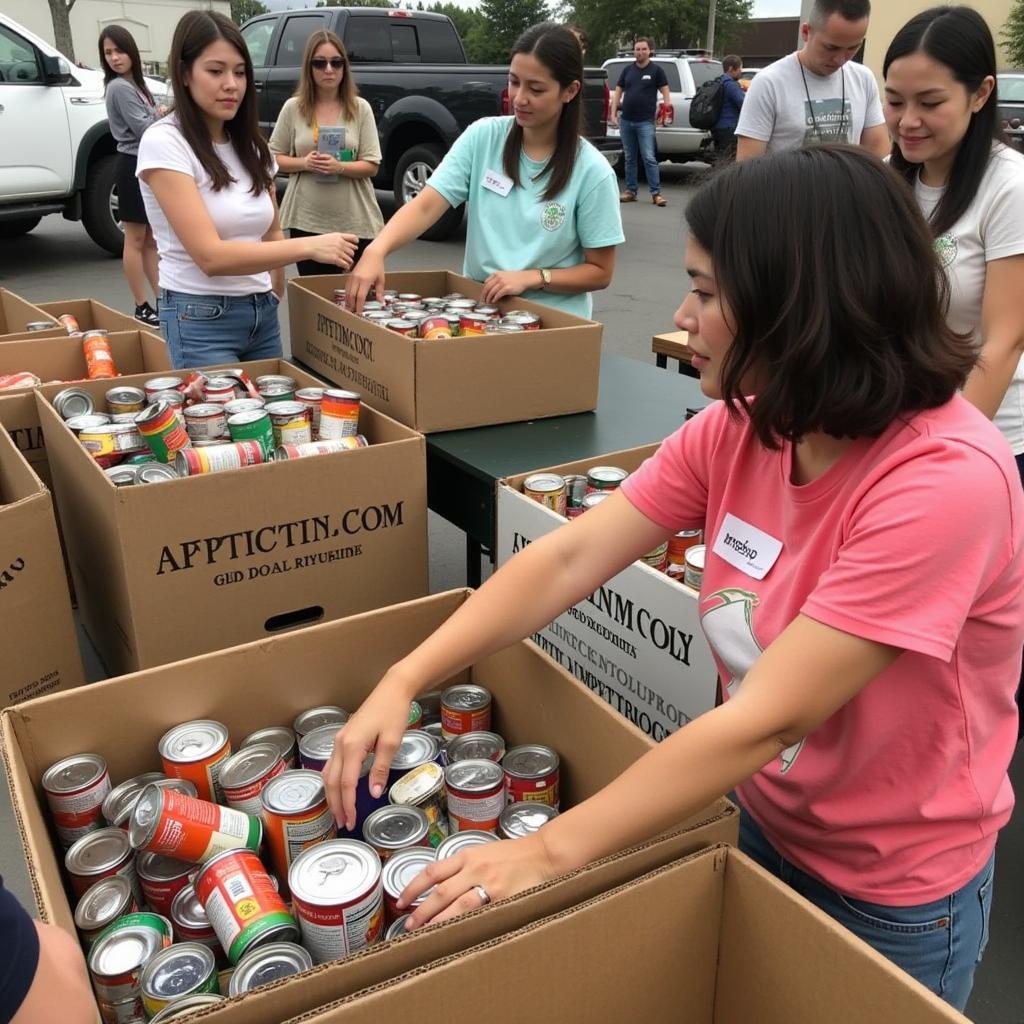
point(627, 197)
point(147, 315)
point(658, 199)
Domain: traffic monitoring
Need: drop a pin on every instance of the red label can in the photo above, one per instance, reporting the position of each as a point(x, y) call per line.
point(476, 794)
point(75, 789)
point(195, 751)
point(99, 356)
point(162, 878)
point(465, 708)
point(531, 774)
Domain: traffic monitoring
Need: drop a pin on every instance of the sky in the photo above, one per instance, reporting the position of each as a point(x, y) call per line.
point(762, 8)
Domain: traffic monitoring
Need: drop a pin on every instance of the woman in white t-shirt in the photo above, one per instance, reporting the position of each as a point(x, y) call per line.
point(940, 106)
point(208, 185)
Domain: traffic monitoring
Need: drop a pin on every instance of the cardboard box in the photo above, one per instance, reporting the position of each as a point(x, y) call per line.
point(340, 662)
point(93, 315)
point(41, 646)
point(453, 383)
point(637, 641)
point(17, 313)
point(712, 939)
point(165, 571)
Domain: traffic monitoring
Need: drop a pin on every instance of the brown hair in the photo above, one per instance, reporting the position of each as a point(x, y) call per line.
point(194, 33)
point(731, 62)
point(125, 42)
point(305, 94)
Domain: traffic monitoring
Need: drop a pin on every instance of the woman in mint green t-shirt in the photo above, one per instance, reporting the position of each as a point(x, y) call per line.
point(543, 203)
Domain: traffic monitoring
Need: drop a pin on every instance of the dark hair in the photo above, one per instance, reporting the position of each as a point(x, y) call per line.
point(305, 94)
point(194, 33)
point(644, 39)
point(839, 308)
point(848, 10)
point(960, 40)
point(125, 42)
point(731, 62)
point(560, 52)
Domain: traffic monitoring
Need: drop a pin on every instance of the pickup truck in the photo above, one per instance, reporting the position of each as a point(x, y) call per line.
point(411, 68)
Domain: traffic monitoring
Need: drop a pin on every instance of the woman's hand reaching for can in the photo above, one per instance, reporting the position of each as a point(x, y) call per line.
point(367, 275)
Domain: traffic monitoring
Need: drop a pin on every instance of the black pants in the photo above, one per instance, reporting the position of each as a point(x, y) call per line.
point(308, 268)
point(725, 144)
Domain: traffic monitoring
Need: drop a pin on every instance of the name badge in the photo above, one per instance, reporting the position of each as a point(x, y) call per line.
point(497, 182)
point(746, 548)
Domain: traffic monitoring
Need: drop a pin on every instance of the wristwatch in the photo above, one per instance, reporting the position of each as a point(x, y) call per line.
point(546, 278)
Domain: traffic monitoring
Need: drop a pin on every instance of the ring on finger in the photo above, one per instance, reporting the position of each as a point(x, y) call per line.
point(483, 894)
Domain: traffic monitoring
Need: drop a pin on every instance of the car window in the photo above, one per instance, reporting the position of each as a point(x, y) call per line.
point(614, 70)
point(18, 64)
point(293, 39)
point(257, 38)
point(439, 43)
point(368, 39)
point(671, 70)
point(1011, 88)
point(403, 43)
point(704, 70)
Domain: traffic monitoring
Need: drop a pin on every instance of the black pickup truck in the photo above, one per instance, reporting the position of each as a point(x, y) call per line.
point(411, 68)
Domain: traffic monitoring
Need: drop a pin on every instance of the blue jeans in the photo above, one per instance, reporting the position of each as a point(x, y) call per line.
point(640, 135)
point(202, 330)
point(939, 943)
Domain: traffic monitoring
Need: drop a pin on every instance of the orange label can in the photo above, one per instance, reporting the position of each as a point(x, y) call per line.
point(195, 751)
point(339, 414)
point(296, 816)
point(99, 357)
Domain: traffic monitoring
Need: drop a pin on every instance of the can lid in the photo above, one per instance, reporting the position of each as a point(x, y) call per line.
point(546, 482)
point(98, 851)
point(288, 409)
point(312, 718)
point(523, 818)
point(87, 421)
point(416, 747)
point(341, 393)
point(155, 867)
point(338, 871)
point(123, 796)
point(73, 402)
point(124, 393)
point(695, 556)
point(184, 1007)
point(397, 928)
point(280, 735)
point(402, 867)
point(220, 383)
point(292, 791)
point(125, 950)
point(417, 785)
point(178, 970)
point(310, 394)
point(170, 397)
point(394, 827)
point(167, 383)
point(275, 379)
point(530, 761)
point(606, 474)
point(475, 746)
point(187, 911)
point(237, 405)
point(73, 773)
point(145, 815)
point(243, 419)
point(318, 743)
point(463, 841)
point(193, 741)
point(151, 412)
point(267, 964)
point(121, 476)
point(476, 775)
point(590, 500)
point(466, 697)
point(153, 473)
point(203, 409)
point(104, 901)
point(248, 765)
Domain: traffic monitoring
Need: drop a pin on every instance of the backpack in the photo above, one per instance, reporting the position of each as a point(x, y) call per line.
point(706, 105)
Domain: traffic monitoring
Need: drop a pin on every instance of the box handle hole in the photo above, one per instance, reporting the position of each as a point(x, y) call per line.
point(289, 620)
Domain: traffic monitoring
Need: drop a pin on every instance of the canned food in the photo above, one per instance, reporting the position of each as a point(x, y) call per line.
point(255, 425)
point(397, 928)
point(575, 492)
point(465, 708)
point(121, 475)
point(186, 1007)
point(423, 787)
point(523, 819)
point(316, 746)
point(75, 789)
point(604, 478)
point(679, 544)
point(155, 385)
point(277, 393)
point(124, 439)
point(463, 841)
point(489, 311)
point(102, 904)
point(237, 405)
point(434, 327)
point(520, 318)
point(381, 317)
point(73, 402)
point(98, 855)
point(188, 828)
point(338, 898)
point(487, 746)
point(415, 749)
point(281, 737)
point(184, 969)
point(119, 801)
point(218, 458)
point(434, 729)
point(329, 447)
point(269, 963)
point(244, 774)
point(221, 389)
point(457, 301)
point(162, 878)
point(401, 326)
point(39, 325)
point(163, 430)
point(500, 327)
point(292, 423)
point(392, 828)
point(206, 421)
point(296, 816)
point(339, 414)
point(593, 499)
point(191, 923)
point(398, 872)
point(472, 324)
point(99, 356)
point(475, 794)
point(547, 489)
point(117, 959)
point(155, 473)
point(693, 575)
point(17, 381)
point(126, 399)
point(531, 774)
point(242, 904)
point(275, 380)
point(312, 398)
point(657, 558)
point(70, 323)
point(430, 702)
point(314, 718)
point(339, 296)
point(195, 751)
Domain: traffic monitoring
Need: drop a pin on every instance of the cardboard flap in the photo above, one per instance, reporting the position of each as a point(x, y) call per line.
point(92, 315)
point(16, 313)
point(17, 480)
point(62, 359)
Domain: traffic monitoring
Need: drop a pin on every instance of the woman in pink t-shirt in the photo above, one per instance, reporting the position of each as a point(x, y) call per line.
point(862, 592)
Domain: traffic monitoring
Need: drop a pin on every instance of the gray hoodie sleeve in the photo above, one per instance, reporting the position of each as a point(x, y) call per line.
point(129, 114)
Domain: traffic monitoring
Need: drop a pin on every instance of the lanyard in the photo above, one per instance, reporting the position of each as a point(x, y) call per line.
point(841, 135)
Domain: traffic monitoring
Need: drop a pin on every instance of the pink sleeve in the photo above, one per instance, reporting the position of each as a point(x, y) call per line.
point(925, 544)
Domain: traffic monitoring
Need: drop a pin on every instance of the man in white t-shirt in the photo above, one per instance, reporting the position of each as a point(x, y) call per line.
point(816, 94)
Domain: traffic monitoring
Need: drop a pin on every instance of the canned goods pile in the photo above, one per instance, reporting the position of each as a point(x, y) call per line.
point(681, 557)
point(434, 317)
point(185, 426)
point(16, 381)
point(99, 357)
point(182, 875)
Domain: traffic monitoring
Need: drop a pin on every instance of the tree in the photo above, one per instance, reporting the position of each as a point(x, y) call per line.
point(243, 10)
point(1013, 35)
point(465, 19)
point(60, 15)
point(504, 21)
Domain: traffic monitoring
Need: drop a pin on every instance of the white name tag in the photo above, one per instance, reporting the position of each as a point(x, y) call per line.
point(497, 182)
point(749, 549)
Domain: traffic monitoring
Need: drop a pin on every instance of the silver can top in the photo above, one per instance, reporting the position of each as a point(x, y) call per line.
point(247, 416)
point(145, 816)
point(155, 867)
point(524, 818)
point(71, 774)
point(97, 852)
point(318, 743)
point(178, 970)
point(338, 871)
point(606, 475)
point(153, 473)
point(397, 928)
point(187, 911)
point(430, 703)
point(87, 421)
point(162, 384)
point(284, 410)
point(313, 718)
point(280, 735)
point(185, 1007)
point(120, 800)
point(466, 697)
point(474, 776)
point(237, 405)
point(104, 901)
point(416, 747)
point(487, 746)
point(267, 380)
point(298, 789)
point(121, 476)
point(394, 827)
point(248, 765)
point(403, 867)
point(546, 483)
point(463, 841)
point(73, 402)
point(193, 741)
point(267, 964)
point(530, 761)
point(204, 410)
point(124, 950)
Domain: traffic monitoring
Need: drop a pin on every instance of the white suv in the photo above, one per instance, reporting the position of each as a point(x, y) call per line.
point(57, 153)
point(686, 71)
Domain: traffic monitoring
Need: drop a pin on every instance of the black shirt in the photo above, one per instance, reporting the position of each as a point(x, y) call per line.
point(20, 944)
point(640, 87)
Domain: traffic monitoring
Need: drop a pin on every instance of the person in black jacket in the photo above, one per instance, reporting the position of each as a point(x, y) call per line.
point(724, 132)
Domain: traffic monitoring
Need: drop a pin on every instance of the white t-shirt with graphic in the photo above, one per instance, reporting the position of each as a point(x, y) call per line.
point(991, 229)
point(777, 111)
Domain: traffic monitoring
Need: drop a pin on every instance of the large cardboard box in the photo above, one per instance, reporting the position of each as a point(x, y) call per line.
point(636, 641)
point(340, 662)
point(165, 571)
point(712, 939)
point(453, 383)
point(16, 313)
point(40, 650)
point(92, 315)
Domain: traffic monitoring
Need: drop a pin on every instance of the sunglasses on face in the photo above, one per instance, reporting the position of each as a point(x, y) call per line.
point(320, 63)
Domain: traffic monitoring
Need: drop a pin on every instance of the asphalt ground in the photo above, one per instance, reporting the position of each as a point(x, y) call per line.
point(59, 261)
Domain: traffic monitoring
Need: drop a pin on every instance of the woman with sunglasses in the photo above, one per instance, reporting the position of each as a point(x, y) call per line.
point(328, 191)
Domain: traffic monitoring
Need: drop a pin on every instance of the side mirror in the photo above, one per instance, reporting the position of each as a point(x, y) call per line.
point(56, 70)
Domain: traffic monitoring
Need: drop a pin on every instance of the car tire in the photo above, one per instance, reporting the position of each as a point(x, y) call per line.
point(99, 206)
point(14, 228)
point(413, 169)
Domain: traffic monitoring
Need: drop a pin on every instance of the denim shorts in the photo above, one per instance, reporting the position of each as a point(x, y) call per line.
point(940, 943)
point(202, 330)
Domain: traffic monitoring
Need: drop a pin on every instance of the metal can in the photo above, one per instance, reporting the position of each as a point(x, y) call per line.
point(316, 746)
point(338, 897)
point(415, 716)
point(102, 904)
point(70, 323)
point(463, 840)
point(398, 872)
point(99, 441)
point(430, 702)
point(162, 878)
point(575, 492)
point(472, 324)
point(416, 748)
point(401, 326)
point(242, 904)
point(500, 327)
point(314, 718)
point(281, 737)
point(253, 426)
point(456, 300)
point(218, 458)
point(195, 751)
point(269, 963)
point(487, 746)
point(693, 575)
point(312, 398)
point(155, 385)
point(296, 816)
point(547, 489)
point(397, 928)
point(679, 544)
point(277, 393)
point(275, 380)
point(531, 774)
point(520, 318)
point(490, 311)
point(184, 969)
point(19, 381)
point(328, 447)
point(188, 828)
point(465, 708)
point(73, 402)
point(339, 296)
point(292, 423)
point(237, 405)
point(117, 804)
point(221, 389)
point(117, 959)
point(475, 794)
point(657, 558)
point(392, 828)
point(339, 414)
point(244, 774)
point(126, 399)
point(163, 430)
point(523, 819)
point(206, 421)
point(604, 478)
point(99, 356)
point(593, 499)
point(87, 422)
point(75, 789)
point(408, 297)
point(433, 328)
point(154, 473)
point(186, 1007)
point(100, 854)
point(40, 325)
point(191, 923)
point(423, 787)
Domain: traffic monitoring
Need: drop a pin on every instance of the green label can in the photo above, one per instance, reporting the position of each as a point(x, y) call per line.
point(163, 431)
point(253, 426)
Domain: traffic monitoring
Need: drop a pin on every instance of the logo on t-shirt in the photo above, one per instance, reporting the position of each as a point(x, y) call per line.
point(552, 216)
point(946, 249)
point(827, 120)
